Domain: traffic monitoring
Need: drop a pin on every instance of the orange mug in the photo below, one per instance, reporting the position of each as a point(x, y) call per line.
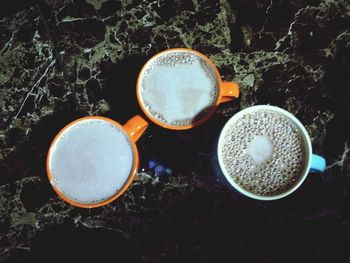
point(180, 89)
point(93, 160)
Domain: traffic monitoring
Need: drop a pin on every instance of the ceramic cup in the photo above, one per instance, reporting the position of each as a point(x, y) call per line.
point(171, 72)
point(93, 160)
point(313, 163)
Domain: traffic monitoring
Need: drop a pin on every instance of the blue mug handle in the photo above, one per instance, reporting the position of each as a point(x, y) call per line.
point(318, 164)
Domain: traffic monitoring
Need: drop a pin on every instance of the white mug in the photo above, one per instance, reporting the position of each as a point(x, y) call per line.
point(313, 163)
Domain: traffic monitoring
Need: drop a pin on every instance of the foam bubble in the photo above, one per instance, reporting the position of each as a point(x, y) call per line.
point(260, 149)
point(92, 162)
point(268, 152)
point(178, 88)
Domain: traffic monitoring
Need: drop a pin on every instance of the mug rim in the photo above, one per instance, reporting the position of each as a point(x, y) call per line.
point(133, 170)
point(308, 149)
point(197, 123)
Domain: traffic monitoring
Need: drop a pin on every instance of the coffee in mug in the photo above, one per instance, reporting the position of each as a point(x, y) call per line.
point(179, 88)
point(265, 151)
point(93, 159)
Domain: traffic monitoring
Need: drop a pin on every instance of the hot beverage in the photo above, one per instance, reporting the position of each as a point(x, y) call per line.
point(178, 88)
point(264, 152)
point(91, 160)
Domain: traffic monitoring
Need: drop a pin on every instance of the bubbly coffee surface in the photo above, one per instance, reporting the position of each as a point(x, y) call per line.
point(263, 152)
point(178, 88)
point(91, 161)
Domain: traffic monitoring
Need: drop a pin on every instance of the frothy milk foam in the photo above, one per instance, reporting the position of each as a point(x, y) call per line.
point(91, 161)
point(263, 152)
point(177, 87)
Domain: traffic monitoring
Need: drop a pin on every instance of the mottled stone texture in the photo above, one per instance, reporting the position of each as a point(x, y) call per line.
point(60, 60)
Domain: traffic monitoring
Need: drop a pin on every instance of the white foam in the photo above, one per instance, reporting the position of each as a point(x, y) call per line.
point(91, 161)
point(179, 91)
point(260, 149)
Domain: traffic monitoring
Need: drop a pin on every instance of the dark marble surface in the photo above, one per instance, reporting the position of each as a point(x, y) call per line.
point(60, 60)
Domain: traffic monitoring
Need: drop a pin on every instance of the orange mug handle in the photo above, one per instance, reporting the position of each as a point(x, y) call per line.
point(229, 91)
point(135, 127)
